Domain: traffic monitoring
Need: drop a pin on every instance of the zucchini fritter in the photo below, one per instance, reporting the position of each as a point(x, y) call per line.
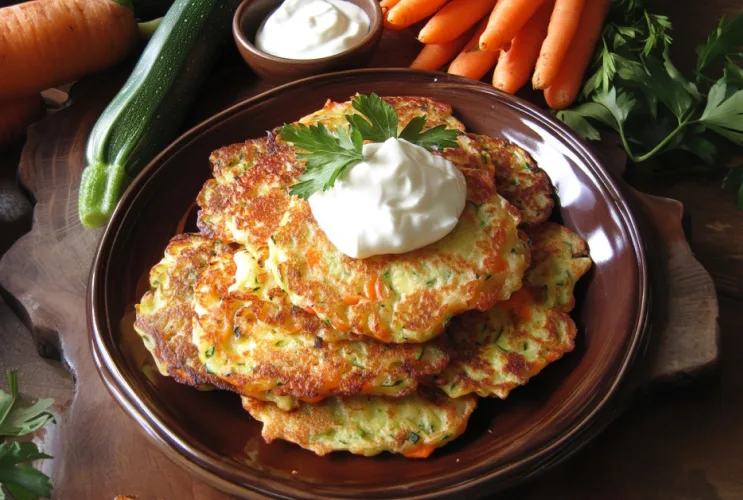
point(498, 350)
point(165, 312)
point(393, 298)
point(518, 179)
point(247, 198)
point(407, 297)
point(251, 337)
point(413, 426)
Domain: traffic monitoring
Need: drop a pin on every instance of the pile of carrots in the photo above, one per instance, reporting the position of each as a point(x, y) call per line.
point(49, 42)
point(549, 41)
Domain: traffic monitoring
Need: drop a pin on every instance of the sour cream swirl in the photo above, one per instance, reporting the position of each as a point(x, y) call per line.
point(311, 29)
point(400, 198)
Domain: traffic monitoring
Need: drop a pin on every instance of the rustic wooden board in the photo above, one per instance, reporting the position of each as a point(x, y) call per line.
point(46, 274)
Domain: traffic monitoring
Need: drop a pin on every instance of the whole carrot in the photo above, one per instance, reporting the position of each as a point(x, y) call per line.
point(566, 85)
point(435, 55)
point(507, 19)
point(473, 62)
point(17, 114)
point(562, 28)
point(388, 4)
point(409, 12)
point(48, 42)
point(515, 64)
point(453, 19)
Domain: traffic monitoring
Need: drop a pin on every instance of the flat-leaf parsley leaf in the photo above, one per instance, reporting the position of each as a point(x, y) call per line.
point(328, 155)
point(17, 476)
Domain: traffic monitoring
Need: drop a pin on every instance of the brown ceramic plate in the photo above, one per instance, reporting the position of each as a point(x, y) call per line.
point(506, 441)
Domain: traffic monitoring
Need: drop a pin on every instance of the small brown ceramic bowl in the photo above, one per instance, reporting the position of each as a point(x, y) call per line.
point(506, 441)
point(250, 16)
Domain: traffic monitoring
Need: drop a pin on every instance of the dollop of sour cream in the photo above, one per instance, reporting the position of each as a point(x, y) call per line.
point(400, 198)
point(311, 29)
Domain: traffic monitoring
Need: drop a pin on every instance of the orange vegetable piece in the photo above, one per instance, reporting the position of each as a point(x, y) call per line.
point(420, 451)
point(515, 64)
point(436, 55)
point(49, 42)
point(454, 19)
point(409, 12)
point(507, 19)
point(562, 28)
point(473, 62)
point(564, 89)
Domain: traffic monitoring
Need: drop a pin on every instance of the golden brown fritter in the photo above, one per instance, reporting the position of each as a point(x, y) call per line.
point(414, 425)
point(498, 350)
point(251, 337)
point(165, 312)
point(518, 178)
point(246, 200)
point(393, 298)
point(407, 297)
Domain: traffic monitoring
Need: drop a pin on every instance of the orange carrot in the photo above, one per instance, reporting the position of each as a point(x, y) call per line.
point(409, 12)
point(17, 114)
point(420, 451)
point(562, 28)
point(386, 22)
point(507, 19)
point(566, 85)
point(48, 42)
point(388, 4)
point(313, 258)
point(370, 289)
point(453, 19)
point(515, 64)
point(473, 62)
point(435, 55)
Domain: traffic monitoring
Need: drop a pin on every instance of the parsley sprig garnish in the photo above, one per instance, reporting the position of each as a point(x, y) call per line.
point(328, 154)
point(17, 418)
point(637, 91)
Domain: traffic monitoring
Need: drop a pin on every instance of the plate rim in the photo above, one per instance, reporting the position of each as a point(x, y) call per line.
point(192, 459)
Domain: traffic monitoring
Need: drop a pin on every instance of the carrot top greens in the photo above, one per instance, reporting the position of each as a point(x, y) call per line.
point(17, 418)
point(638, 92)
point(329, 154)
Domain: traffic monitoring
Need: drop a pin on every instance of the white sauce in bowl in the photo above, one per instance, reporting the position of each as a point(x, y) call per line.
point(312, 29)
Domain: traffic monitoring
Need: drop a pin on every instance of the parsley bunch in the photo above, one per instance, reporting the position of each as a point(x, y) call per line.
point(636, 90)
point(328, 154)
point(17, 418)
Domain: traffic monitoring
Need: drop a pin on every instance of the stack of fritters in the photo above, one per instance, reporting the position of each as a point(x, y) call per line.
point(379, 354)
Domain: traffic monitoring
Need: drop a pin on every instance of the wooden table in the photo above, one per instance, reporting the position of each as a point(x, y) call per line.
point(676, 444)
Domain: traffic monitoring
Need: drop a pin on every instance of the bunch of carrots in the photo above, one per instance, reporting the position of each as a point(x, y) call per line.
point(549, 41)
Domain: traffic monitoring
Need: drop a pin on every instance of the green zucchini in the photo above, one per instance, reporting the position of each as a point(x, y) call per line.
point(149, 109)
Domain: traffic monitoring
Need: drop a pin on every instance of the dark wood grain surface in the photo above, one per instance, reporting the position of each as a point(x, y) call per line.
point(681, 444)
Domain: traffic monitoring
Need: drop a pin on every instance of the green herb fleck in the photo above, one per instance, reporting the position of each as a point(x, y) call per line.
point(414, 437)
point(209, 352)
